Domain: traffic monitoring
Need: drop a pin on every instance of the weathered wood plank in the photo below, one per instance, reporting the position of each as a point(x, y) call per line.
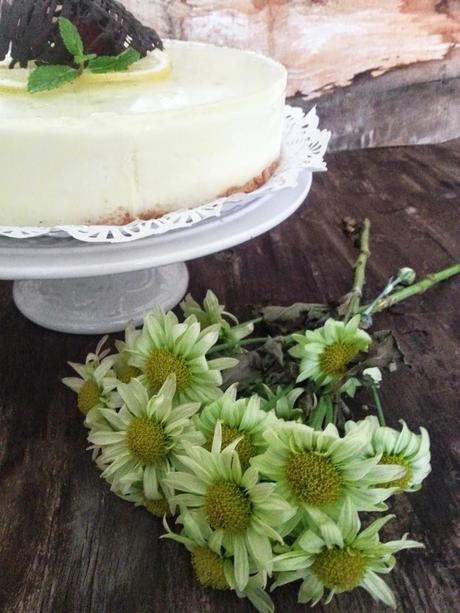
point(362, 61)
point(387, 112)
point(68, 545)
point(325, 44)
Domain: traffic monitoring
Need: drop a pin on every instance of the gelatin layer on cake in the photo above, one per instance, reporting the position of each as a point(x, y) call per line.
point(113, 152)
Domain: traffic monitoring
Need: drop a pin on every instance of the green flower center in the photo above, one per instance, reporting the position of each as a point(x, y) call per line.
point(209, 568)
point(245, 448)
point(313, 478)
point(146, 441)
point(162, 363)
point(228, 507)
point(88, 396)
point(335, 358)
point(159, 508)
point(403, 481)
point(339, 569)
point(125, 372)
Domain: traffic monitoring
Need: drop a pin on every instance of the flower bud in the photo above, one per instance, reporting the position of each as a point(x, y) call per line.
point(406, 276)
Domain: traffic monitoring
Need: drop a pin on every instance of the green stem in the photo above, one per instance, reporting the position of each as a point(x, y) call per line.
point(257, 340)
point(336, 409)
point(360, 273)
point(318, 414)
point(417, 288)
point(380, 305)
point(232, 345)
point(378, 405)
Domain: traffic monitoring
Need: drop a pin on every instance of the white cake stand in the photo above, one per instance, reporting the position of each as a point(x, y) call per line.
point(86, 288)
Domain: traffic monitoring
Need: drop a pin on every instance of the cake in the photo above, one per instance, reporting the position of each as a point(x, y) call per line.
point(184, 125)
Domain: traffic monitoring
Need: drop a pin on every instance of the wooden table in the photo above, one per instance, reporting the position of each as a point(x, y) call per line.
point(68, 545)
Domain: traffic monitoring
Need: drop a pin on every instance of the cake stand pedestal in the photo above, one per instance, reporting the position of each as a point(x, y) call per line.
point(95, 288)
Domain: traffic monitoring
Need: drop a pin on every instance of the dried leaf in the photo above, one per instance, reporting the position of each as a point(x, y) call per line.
point(298, 316)
point(269, 363)
point(385, 351)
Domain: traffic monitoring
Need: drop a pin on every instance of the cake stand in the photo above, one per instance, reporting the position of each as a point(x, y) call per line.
point(86, 288)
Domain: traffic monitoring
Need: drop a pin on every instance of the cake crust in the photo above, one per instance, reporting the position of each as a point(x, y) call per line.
point(121, 216)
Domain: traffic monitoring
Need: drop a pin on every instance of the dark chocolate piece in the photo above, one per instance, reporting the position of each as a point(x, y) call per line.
point(29, 28)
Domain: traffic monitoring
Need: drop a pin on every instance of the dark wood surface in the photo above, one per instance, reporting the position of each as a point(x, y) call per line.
point(68, 545)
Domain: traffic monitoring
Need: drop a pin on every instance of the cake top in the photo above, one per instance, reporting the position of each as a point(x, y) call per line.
point(106, 63)
point(29, 30)
point(203, 75)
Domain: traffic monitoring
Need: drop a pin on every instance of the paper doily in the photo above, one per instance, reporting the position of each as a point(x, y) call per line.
point(304, 146)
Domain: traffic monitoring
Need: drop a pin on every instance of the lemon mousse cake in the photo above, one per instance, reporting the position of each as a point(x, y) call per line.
point(183, 125)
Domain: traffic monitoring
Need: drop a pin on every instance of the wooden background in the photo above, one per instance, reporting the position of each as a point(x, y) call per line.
point(382, 72)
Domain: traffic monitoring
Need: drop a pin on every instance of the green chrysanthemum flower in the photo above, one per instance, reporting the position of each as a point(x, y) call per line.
point(318, 471)
point(143, 440)
point(241, 511)
point(212, 566)
point(123, 370)
point(353, 559)
point(96, 385)
point(242, 419)
point(159, 506)
point(166, 347)
point(405, 449)
point(326, 353)
point(213, 313)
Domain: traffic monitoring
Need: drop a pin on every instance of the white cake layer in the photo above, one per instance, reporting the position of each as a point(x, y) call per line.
point(102, 153)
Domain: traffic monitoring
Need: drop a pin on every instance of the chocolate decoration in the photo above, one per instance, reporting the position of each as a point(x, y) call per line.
point(28, 29)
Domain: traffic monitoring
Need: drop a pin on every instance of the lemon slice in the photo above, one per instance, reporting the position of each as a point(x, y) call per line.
point(154, 66)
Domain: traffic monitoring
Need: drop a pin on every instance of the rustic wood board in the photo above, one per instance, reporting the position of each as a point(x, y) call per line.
point(68, 545)
point(386, 111)
point(382, 72)
point(324, 44)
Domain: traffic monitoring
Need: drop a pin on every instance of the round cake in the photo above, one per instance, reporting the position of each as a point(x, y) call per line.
point(107, 149)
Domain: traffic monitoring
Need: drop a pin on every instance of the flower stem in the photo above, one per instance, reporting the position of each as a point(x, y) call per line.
point(378, 405)
point(233, 345)
point(319, 413)
point(336, 406)
point(353, 306)
point(360, 272)
point(417, 288)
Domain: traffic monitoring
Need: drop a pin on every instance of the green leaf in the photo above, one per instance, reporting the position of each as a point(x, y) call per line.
point(117, 63)
point(71, 39)
point(45, 78)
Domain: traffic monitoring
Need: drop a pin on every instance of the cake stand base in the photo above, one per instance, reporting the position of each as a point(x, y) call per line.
point(98, 305)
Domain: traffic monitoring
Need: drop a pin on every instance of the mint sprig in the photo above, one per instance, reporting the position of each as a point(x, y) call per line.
point(117, 63)
point(71, 39)
point(48, 77)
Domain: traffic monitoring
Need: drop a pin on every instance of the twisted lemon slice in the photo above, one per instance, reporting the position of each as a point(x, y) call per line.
point(156, 65)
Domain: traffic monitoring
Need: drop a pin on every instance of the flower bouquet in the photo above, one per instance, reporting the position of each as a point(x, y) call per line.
point(246, 445)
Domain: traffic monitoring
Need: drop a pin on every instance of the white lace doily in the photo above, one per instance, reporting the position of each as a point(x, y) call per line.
point(303, 147)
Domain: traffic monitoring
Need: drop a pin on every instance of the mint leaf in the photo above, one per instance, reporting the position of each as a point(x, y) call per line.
point(71, 39)
point(117, 63)
point(44, 78)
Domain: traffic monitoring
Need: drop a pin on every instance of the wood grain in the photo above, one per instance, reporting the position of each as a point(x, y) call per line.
point(324, 45)
point(68, 545)
point(382, 72)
